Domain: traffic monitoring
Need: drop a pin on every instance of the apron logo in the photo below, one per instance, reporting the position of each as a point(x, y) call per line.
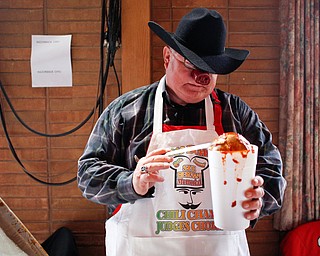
point(190, 187)
point(189, 178)
point(184, 221)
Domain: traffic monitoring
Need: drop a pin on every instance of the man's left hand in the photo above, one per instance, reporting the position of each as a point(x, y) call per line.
point(254, 203)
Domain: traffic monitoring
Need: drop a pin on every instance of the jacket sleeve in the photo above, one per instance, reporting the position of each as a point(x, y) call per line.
point(101, 176)
point(239, 117)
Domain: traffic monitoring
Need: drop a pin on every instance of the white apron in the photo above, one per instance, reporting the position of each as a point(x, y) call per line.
point(179, 219)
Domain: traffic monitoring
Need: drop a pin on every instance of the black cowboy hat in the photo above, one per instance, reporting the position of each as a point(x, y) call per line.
point(200, 38)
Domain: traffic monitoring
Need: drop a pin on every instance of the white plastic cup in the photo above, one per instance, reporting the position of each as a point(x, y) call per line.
point(230, 176)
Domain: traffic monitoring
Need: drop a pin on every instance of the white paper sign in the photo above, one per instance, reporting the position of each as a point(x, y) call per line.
point(51, 61)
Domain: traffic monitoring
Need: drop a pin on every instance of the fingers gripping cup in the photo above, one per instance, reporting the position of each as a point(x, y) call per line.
point(232, 163)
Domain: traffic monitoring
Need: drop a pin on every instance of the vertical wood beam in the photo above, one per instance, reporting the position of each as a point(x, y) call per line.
point(135, 44)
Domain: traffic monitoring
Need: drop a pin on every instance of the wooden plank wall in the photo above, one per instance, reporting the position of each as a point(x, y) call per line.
point(252, 24)
point(56, 110)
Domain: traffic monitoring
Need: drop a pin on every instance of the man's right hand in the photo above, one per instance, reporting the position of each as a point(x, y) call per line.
point(147, 170)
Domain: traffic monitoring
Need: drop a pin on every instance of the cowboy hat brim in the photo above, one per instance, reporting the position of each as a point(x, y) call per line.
point(222, 64)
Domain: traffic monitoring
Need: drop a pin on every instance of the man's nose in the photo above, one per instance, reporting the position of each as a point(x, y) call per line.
point(201, 77)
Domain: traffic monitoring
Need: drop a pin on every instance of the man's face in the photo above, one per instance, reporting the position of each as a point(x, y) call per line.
point(182, 86)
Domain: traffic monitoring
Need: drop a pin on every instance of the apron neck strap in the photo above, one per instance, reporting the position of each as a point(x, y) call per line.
point(158, 109)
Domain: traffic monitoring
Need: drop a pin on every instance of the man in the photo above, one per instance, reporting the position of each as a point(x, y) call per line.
point(160, 206)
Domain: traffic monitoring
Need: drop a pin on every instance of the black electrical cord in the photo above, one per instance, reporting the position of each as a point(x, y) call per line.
point(102, 32)
point(114, 39)
point(3, 121)
point(112, 36)
point(117, 78)
point(114, 28)
point(40, 133)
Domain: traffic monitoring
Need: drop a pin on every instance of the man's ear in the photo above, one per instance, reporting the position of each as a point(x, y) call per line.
point(166, 56)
